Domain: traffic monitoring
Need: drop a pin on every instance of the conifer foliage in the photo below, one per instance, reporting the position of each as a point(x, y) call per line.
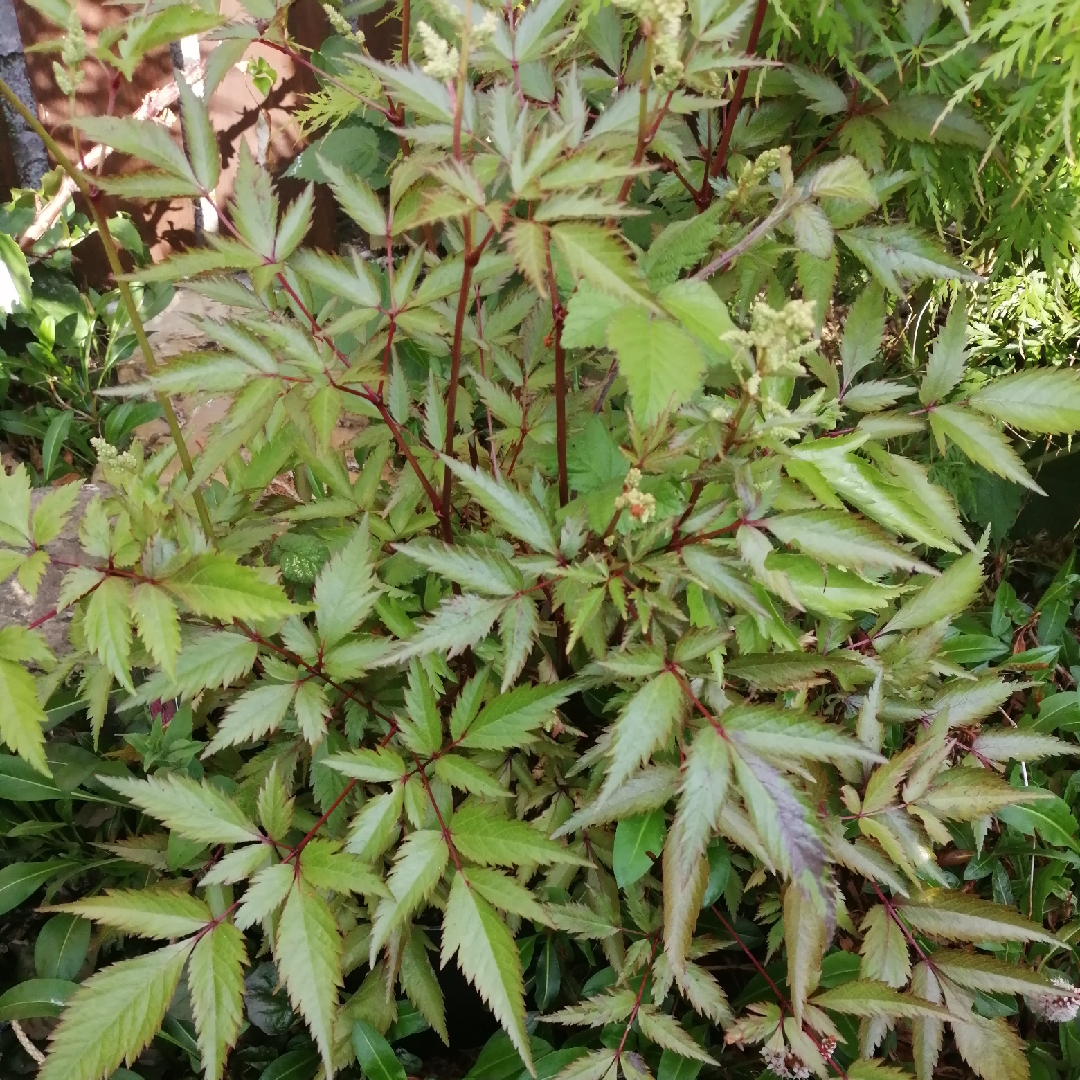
point(619, 640)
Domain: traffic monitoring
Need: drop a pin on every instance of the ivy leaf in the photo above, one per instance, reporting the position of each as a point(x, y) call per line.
point(108, 627)
point(981, 442)
point(114, 1015)
point(307, 950)
point(1044, 400)
point(21, 715)
point(197, 811)
point(948, 359)
point(216, 984)
point(644, 725)
point(346, 589)
point(488, 957)
point(158, 624)
point(942, 597)
point(661, 362)
point(153, 913)
point(218, 587)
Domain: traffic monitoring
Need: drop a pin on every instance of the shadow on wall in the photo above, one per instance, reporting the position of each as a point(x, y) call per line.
point(167, 225)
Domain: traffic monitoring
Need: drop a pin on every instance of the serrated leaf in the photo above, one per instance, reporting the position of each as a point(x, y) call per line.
point(481, 834)
point(506, 894)
point(868, 998)
point(481, 570)
point(510, 718)
point(21, 715)
point(325, 867)
point(158, 624)
point(897, 255)
point(153, 913)
point(51, 514)
point(489, 959)
point(992, 1049)
point(528, 244)
point(979, 971)
point(839, 538)
point(108, 627)
point(864, 329)
point(459, 623)
point(346, 590)
point(459, 772)
point(884, 950)
point(15, 506)
point(216, 586)
point(421, 985)
point(307, 950)
point(959, 917)
point(418, 867)
point(266, 893)
point(981, 442)
point(843, 178)
point(644, 725)
point(644, 791)
point(948, 358)
point(943, 596)
point(216, 984)
point(519, 515)
point(666, 1032)
point(114, 1015)
point(255, 713)
point(380, 765)
point(601, 258)
point(1043, 400)
point(197, 811)
point(660, 361)
point(200, 140)
point(519, 626)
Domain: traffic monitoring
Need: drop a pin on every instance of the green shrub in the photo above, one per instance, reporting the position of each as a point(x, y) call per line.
point(631, 668)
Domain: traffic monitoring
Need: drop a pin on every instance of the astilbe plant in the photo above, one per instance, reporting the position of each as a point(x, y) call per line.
point(629, 624)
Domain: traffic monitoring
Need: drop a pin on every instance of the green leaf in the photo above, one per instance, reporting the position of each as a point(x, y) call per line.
point(959, 917)
point(644, 791)
point(114, 1015)
point(479, 569)
point(216, 586)
point(639, 841)
point(661, 363)
point(644, 725)
point(199, 812)
point(20, 880)
point(35, 998)
point(356, 199)
point(15, 283)
point(824, 95)
point(784, 734)
point(374, 1054)
point(922, 118)
point(153, 913)
point(978, 971)
point(418, 867)
point(265, 894)
point(200, 139)
point(510, 718)
point(838, 538)
point(325, 867)
point(489, 959)
point(52, 512)
point(864, 330)
point(1050, 817)
point(943, 596)
point(1043, 400)
point(459, 623)
point(308, 954)
point(480, 833)
point(61, 947)
point(143, 139)
point(421, 985)
point(21, 715)
point(519, 515)
point(697, 308)
point(253, 715)
point(158, 624)
point(352, 283)
point(948, 359)
point(22, 782)
point(376, 766)
point(808, 927)
point(867, 998)
point(666, 1032)
point(216, 984)
point(884, 950)
point(842, 178)
point(981, 442)
point(898, 255)
point(459, 772)
point(15, 506)
point(601, 258)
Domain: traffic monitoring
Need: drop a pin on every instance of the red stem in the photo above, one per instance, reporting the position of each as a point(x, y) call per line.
point(720, 159)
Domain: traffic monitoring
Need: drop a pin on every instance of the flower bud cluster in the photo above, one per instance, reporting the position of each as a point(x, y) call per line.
point(1058, 1008)
point(663, 20)
point(641, 504)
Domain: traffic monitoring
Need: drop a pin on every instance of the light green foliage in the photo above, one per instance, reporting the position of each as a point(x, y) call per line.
point(633, 642)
